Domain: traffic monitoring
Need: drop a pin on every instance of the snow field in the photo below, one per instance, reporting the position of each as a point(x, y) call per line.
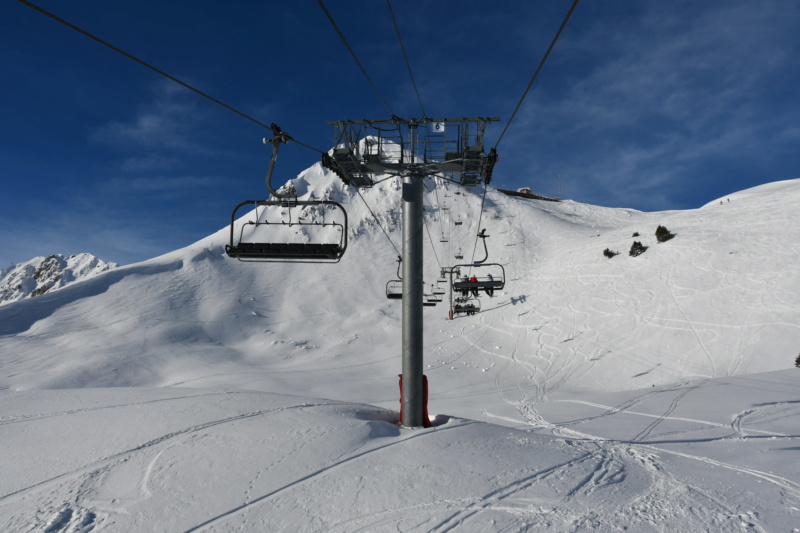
point(195, 393)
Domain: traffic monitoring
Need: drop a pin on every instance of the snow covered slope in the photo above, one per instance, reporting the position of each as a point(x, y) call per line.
point(193, 392)
point(719, 299)
point(43, 274)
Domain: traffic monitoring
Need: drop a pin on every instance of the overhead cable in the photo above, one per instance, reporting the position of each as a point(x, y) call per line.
point(352, 53)
point(438, 205)
point(541, 64)
point(379, 224)
point(405, 56)
point(154, 69)
point(143, 63)
point(433, 246)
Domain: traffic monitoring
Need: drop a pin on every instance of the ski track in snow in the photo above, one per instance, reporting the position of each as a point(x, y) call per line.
point(313, 475)
point(67, 517)
point(650, 326)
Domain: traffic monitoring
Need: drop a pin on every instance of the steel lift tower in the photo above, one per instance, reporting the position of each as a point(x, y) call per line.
point(412, 149)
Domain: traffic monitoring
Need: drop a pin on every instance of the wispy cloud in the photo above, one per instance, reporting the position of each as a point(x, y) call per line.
point(149, 162)
point(655, 105)
point(171, 122)
point(160, 187)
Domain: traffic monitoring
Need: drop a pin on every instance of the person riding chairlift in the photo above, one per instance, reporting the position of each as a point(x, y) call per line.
point(465, 290)
point(473, 279)
point(490, 290)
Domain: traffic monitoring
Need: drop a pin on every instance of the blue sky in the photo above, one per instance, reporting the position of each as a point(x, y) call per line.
point(649, 105)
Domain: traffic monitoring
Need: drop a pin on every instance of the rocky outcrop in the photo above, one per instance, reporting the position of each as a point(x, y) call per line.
point(45, 274)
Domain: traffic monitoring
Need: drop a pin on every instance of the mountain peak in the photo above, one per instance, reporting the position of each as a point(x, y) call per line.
point(45, 274)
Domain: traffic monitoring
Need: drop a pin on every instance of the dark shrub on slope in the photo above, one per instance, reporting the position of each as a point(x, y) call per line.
point(637, 249)
point(663, 234)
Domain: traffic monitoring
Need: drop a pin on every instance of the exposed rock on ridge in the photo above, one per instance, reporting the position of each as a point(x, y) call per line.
point(45, 274)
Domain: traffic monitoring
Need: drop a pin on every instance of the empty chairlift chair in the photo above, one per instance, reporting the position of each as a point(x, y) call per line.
point(259, 238)
point(394, 287)
point(256, 240)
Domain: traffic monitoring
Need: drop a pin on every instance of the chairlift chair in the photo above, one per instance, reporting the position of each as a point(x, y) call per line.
point(466, 305)
point(486, 282)
point(496, 282)
point(394, 289)
point(436, 293)
point(257, 248)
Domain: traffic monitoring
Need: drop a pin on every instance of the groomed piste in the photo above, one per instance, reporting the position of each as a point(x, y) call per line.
point(193, 392)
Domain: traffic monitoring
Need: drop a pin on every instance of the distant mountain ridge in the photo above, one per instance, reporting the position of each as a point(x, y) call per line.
point(46, 274)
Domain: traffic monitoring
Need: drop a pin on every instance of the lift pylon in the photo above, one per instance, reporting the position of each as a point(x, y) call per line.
point(412, 149)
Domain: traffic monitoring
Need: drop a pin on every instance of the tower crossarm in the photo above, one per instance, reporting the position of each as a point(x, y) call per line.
point(426, 146)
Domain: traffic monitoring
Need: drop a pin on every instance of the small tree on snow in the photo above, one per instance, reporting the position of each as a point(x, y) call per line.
point(609, 253)
point(797, 362)
point(663, 234)
point(637, 249)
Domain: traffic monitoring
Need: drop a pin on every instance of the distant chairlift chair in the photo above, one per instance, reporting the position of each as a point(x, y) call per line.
point(394, 287)
point(468, 306)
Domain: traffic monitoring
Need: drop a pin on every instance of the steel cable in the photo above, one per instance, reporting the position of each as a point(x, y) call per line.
point(352, 53)
point(154, 69)
point(405, 56)
point(536, 74)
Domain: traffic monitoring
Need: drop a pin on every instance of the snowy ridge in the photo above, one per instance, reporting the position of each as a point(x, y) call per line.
point(43, 274)
point(650, 393)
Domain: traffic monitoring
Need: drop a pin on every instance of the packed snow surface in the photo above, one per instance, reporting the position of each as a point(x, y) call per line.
point(193, 392)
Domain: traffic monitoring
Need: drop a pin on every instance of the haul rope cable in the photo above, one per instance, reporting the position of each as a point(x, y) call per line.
point(422, 107)
point(352, 53)
point(433, 246)
point(155, 69)
point(186, 85)
point(380, 97)
point(379, 223)
point(430, 237)
point(405, 56)
point(349, 48)
point(438, 203)
point(524, 95)
point(536, 74)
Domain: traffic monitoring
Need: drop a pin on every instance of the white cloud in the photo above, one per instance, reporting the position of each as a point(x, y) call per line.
point(149, 162)
point(172, 121)
point(172, 185)
point(683, 84)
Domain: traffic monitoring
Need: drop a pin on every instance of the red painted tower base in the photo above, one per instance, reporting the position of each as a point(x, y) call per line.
point(426, 421)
